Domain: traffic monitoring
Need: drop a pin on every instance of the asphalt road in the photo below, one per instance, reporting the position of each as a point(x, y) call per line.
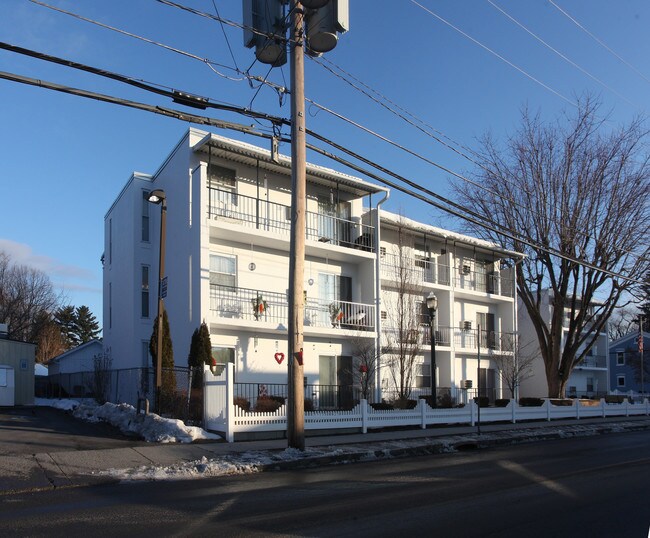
point(579, 487)
point(45, 429)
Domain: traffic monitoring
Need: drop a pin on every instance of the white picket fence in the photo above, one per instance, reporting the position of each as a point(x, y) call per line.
point(222, 416)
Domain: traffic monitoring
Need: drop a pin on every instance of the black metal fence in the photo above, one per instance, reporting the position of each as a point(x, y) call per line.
point(131, 385)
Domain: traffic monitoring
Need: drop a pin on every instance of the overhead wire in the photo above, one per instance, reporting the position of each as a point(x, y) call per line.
point(599, 41)
point(563, 56)
point(276, 125)
point(455, 209)
point(499, 56)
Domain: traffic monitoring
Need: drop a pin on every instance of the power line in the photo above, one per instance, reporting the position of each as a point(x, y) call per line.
point(458, 210)
point(178, 96)
point(564, 57)
point(485, 47)
point(599, 41)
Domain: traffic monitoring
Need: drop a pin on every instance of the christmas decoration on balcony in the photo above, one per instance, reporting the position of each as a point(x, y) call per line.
point(336, 313)
point(259, 306)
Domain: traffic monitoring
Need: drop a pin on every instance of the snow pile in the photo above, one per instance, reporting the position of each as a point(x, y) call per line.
point(152, 428)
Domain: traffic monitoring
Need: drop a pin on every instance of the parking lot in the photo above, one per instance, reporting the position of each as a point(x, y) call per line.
point(44, 429)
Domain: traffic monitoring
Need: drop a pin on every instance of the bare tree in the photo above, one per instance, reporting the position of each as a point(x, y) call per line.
point(366, 359)
point(51, 342)
point(578, 189)
point(403, 309)
point(27, 297)
point(516, 368)
point(622, 322)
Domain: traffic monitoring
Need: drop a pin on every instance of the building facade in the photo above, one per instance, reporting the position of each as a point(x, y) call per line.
point(227, 253)
point(625, 362)
point(590, 376)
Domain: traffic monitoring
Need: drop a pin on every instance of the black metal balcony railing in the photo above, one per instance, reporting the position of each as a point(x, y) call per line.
point(271, 216)
point(483, 282)
point(414, 270)
point(489, 340)
point(262, 305)
point(593, 361)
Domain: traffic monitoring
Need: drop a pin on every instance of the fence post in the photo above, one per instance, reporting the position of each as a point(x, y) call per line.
point(602, 406)
point(229, 407)
point(117, 387)
point(627, 407)
point(547, 403)
point(423, 413)
point(513, 403)
point(578, 405)
point(364, 416)
point(472, 421)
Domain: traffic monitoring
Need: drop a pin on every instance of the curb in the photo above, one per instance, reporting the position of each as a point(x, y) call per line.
point(435, 446)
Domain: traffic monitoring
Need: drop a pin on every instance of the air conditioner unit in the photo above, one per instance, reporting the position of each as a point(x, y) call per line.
point(466, 384)
point(466, 325)
point(466, 269)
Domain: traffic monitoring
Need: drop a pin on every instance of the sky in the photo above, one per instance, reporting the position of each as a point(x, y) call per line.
point(465, 68)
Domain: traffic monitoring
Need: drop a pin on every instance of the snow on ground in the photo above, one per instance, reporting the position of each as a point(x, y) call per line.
point(151, 427)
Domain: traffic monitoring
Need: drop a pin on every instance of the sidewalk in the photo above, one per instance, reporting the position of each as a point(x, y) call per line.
point(47, 471)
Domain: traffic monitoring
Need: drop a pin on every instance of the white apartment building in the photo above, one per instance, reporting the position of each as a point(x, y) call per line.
point(589, 378)
point(226, 263)
point(474, 291)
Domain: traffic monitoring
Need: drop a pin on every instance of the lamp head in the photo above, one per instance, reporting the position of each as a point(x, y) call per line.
point(157, 196)
point(432, 302)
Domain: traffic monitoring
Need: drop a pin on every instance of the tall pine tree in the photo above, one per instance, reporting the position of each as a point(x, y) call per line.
point(87, 327)
point(200, 353)
point(168, 376)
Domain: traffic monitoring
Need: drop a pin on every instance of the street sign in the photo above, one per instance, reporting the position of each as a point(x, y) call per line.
point(163, 288)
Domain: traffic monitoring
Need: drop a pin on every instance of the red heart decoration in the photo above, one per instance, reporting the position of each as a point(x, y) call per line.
point(279, 357)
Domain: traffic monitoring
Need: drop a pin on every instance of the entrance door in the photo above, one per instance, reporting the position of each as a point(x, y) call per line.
point(487, 383)
point(335, 382)
point(488, 335)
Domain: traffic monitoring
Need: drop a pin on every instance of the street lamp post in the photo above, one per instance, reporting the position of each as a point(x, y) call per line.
point(432, 306)
point(158, 197)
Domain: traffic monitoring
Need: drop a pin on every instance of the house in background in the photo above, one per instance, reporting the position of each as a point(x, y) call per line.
point(624, 360)
point(227, 257)
point(16, 371)
point(72, 371)
point(589, 378)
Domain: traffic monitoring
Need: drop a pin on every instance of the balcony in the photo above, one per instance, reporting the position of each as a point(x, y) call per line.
point(593, 361)
point(273, 307)
point(269, 216)
point(492, 283)
point(461, 338)
point(414, 270)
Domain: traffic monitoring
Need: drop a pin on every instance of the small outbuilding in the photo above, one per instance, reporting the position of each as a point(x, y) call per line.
point(16, 370)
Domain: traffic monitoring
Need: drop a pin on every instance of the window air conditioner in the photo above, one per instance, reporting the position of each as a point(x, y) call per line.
point(467, 269)
point(466, 325)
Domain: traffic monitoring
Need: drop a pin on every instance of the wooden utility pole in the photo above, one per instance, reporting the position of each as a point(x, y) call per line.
point(296, 400)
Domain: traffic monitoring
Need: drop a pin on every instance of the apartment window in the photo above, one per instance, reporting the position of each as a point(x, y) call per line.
point(620, 380)
point(590, 384)
point(224, 182)
point(620, 358)
point(145, 216)
point(144, 291)
point(223, 270)
point(110, 241)
point(423, 375)
point(222, 356)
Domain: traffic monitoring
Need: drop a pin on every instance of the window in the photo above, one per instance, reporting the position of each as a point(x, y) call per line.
point(223, 270)
point(223, 181)
point(145, 216)
point(620, 380)
point(620, 358)
point(144, 291)
point(423, 375)
point(222, 356)
point(590, 384)
point(110, 241)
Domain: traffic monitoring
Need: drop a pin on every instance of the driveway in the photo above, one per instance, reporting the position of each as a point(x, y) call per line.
point(45, 429)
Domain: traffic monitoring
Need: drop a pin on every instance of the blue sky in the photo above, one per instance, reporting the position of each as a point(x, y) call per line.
point(63, 159)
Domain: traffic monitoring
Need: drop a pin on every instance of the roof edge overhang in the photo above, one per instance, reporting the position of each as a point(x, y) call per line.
point(252, 155)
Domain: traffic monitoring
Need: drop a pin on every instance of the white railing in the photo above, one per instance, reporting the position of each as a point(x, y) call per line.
point(223, 416)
